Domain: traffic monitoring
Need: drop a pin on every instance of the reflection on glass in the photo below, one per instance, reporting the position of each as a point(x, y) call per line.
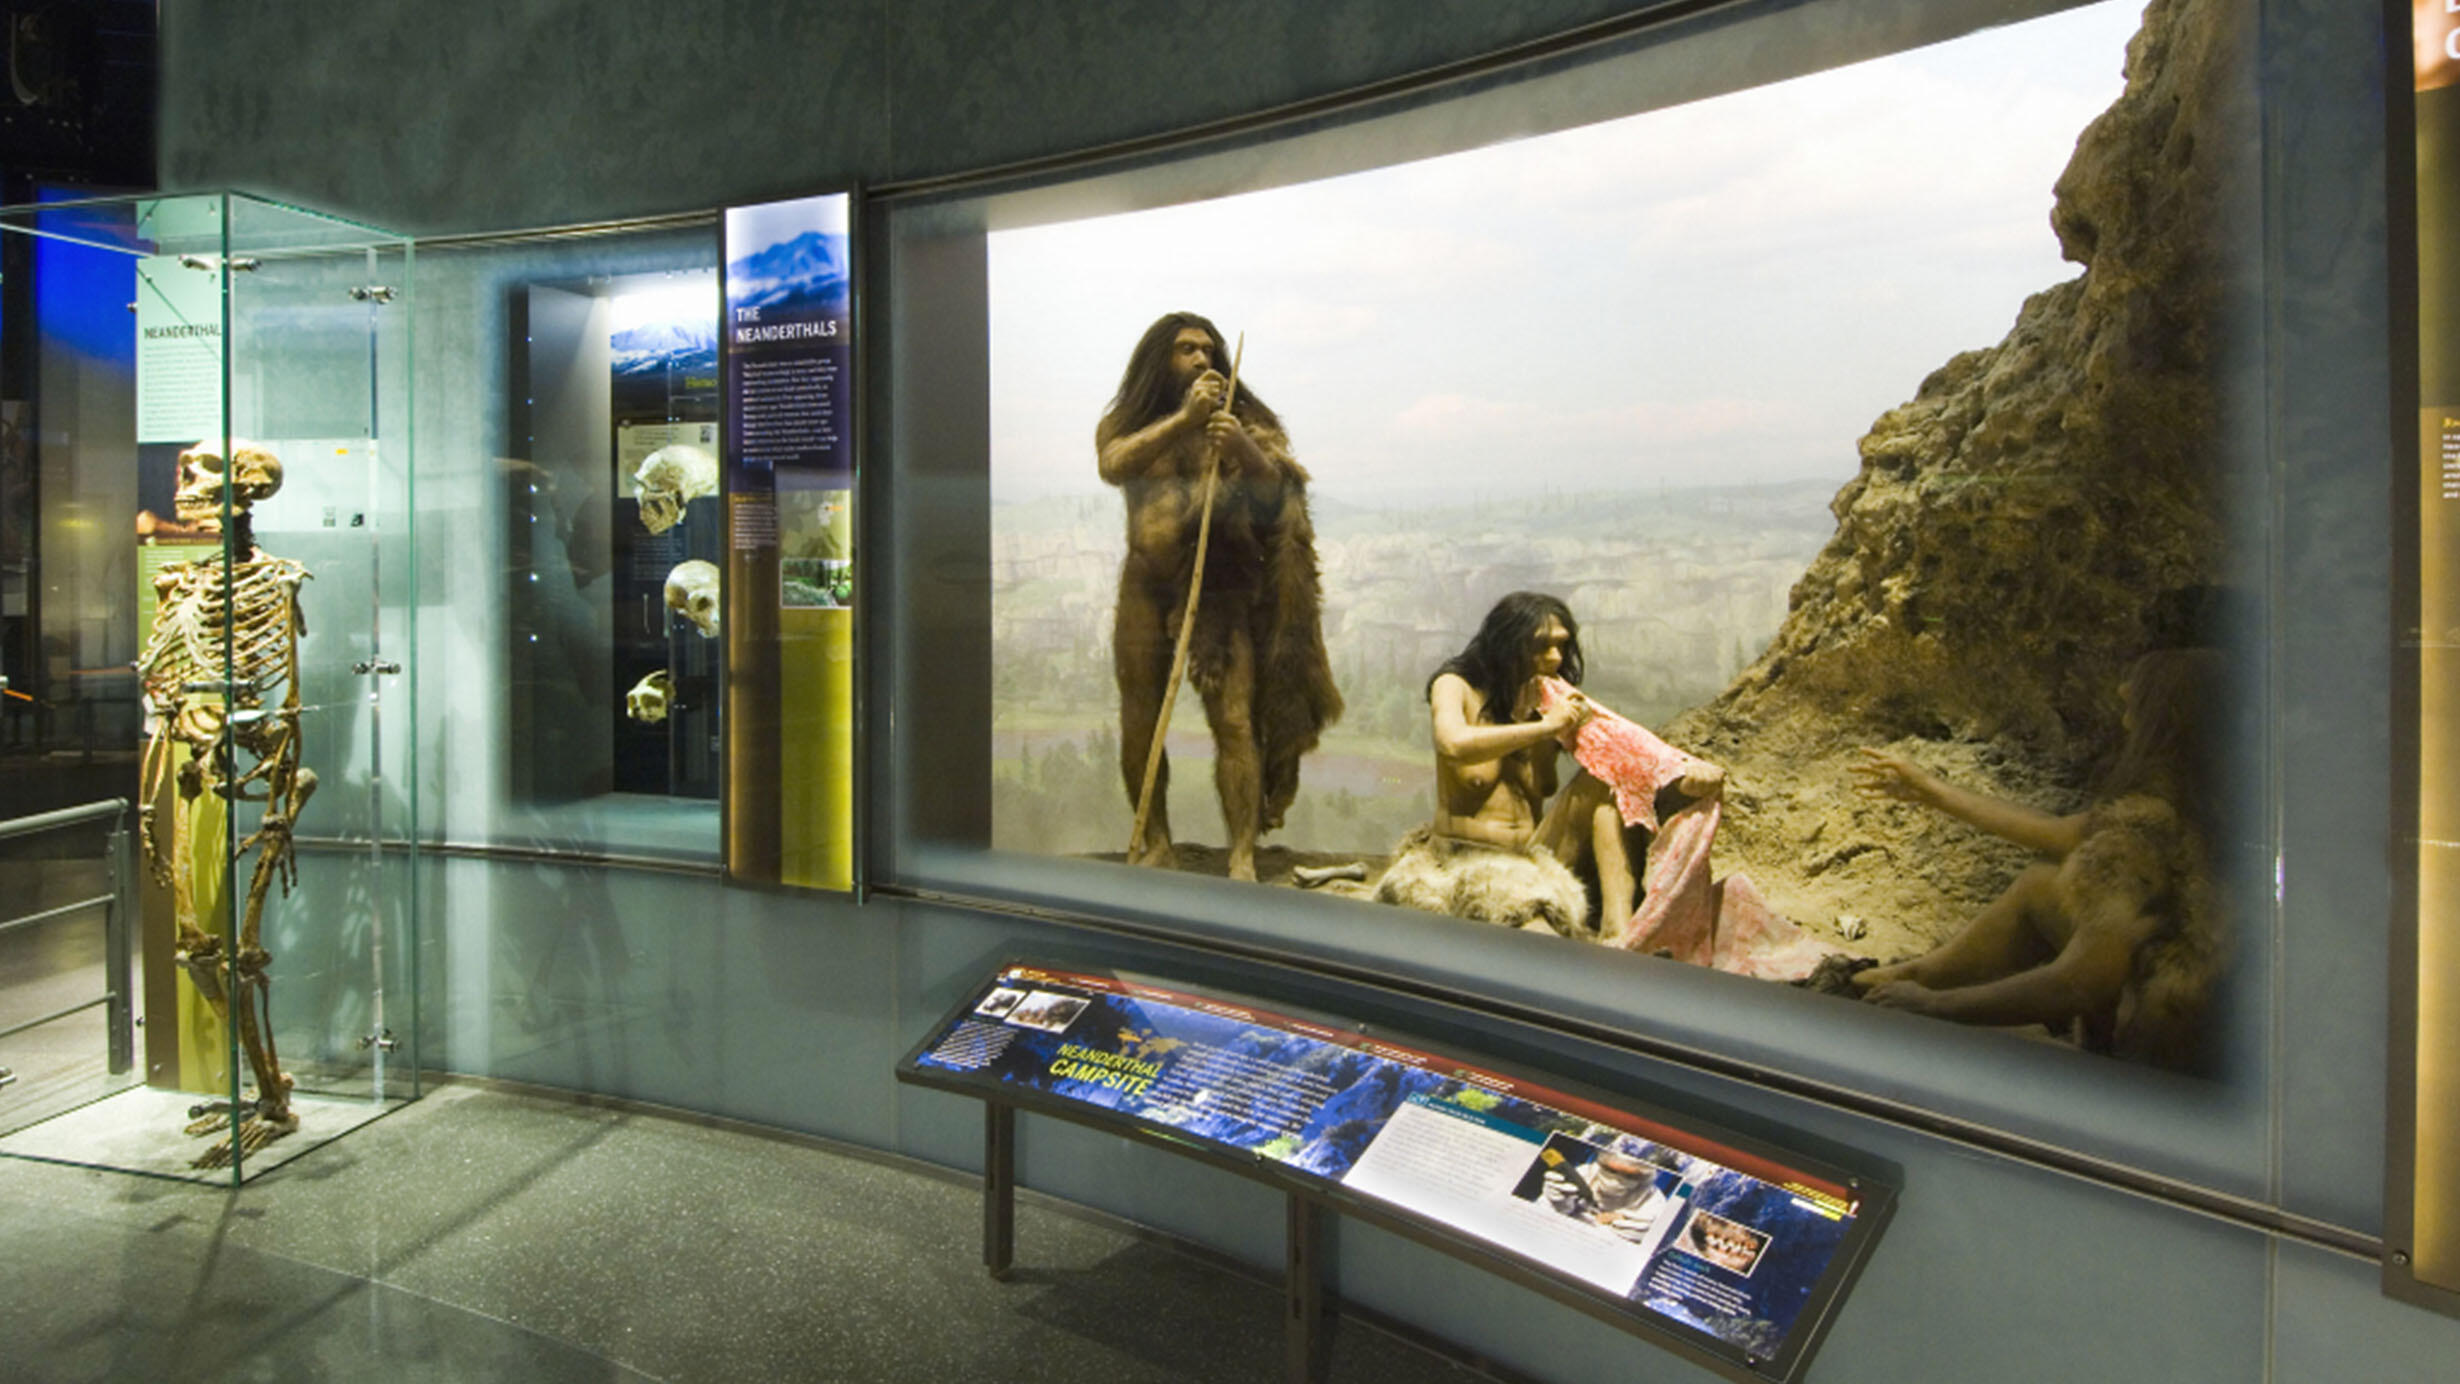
point(614, 529)
point(207, 498)
point(1887, 593)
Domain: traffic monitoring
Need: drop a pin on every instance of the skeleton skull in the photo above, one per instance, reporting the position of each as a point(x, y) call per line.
point(647, 700)
point(692, 588)
point(671, 478)
point(253, 474)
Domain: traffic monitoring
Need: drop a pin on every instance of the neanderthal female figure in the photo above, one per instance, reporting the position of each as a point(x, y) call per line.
point(225, 643)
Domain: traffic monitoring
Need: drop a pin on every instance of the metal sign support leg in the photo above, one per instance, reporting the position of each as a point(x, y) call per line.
point(1307, 1334)
point(998, 1187)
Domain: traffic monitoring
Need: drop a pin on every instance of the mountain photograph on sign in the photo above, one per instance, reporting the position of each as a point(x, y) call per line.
point(807, 273)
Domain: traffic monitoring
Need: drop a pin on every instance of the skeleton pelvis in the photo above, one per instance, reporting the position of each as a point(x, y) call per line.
point(199, 723)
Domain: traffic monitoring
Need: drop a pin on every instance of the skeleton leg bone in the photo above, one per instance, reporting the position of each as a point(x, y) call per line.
point(269, 1116)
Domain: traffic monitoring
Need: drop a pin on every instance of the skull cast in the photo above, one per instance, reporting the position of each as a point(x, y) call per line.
point(671, 478)
point(692, 588)
point(251, 474)
point(647, 700)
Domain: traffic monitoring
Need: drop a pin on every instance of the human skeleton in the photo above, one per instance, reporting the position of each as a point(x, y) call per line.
point(225, 640)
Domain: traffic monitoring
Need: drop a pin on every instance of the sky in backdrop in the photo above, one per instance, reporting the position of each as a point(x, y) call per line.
point(1719, 293)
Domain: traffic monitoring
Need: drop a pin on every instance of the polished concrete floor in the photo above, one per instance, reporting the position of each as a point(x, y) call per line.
point(487, 1234)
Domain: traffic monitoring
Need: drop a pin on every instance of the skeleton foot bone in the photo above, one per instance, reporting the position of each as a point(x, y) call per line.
point(254, 1133)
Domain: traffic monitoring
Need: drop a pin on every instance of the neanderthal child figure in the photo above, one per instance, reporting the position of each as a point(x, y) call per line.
point(228, 629)
point(2117, 931)
point(1257, 653)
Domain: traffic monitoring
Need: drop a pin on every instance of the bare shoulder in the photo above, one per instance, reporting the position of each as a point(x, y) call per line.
point(1452, 701)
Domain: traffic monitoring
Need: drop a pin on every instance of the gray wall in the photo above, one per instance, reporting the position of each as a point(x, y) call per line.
point(463, 116)
point(458, 115)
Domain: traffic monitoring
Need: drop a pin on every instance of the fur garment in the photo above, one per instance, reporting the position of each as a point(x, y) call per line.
point(2140, 850)
point(1260, 573)
point(1485, 884)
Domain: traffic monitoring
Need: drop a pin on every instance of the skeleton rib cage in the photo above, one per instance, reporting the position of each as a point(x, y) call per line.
point(259, 618)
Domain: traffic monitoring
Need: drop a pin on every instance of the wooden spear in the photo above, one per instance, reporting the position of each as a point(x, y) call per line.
point(1187, 623)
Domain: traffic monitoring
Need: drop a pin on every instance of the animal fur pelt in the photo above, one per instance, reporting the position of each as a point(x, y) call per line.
point(1485, 884)
point(2139, 849)
point(1260, 570)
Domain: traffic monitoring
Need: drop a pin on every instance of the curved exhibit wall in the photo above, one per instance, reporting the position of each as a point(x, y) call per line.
point(662, 986)
point(1617, 333)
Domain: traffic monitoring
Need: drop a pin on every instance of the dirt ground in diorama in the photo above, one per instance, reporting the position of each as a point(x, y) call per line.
point(1964, 582)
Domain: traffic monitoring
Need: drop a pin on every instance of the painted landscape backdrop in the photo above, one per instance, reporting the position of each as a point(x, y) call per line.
point(1626, 363)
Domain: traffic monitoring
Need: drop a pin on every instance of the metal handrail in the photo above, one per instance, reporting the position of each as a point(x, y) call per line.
point(65, 817)
point(119, 921)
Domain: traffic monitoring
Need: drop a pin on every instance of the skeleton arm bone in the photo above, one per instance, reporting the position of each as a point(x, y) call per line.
point(150, 779)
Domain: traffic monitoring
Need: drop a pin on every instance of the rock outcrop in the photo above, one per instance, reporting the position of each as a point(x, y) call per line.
point(2041, 512)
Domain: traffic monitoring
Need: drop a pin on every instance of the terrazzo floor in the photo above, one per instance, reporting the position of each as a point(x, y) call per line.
point(486, 1234)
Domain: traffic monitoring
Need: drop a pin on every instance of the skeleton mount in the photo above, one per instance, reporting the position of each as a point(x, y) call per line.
point(226, 640)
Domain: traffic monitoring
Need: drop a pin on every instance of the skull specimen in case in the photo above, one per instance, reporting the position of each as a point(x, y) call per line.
point(671, 478)
point(648, 699)
point(692, 589)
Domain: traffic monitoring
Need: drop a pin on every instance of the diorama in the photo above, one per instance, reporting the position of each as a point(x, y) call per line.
point(1793, 531)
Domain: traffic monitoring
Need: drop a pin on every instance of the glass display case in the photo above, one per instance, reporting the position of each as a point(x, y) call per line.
point(574, 429)
point(205, 528)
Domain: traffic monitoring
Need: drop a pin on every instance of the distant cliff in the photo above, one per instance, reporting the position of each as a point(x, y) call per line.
point(2037, 515)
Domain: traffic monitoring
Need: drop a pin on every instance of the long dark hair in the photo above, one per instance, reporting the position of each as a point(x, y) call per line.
point(1147, 391)
point(1496, 662)
point(2174, 717)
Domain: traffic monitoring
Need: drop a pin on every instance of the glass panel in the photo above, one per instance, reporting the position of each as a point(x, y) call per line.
point(585, 703)
point(1619, 335)
point(252, 366)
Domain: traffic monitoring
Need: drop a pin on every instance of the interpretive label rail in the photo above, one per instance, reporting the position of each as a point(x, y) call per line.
point(1733, 1252)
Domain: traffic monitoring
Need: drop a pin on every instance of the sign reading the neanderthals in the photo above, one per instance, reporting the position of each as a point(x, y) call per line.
point(788, 368)
point(790, 335)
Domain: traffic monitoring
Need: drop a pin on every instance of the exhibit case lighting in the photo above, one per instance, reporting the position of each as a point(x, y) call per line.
point(2422, 1222)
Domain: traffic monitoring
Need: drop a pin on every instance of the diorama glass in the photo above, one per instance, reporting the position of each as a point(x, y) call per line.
point(210, 565)
point(607, 445)
point(1567, 584)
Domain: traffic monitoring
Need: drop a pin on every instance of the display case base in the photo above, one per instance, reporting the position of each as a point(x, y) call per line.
point(139, 1131)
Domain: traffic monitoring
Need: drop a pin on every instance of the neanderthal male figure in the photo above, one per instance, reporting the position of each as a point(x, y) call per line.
point(1257, 653)
point(226, 641)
